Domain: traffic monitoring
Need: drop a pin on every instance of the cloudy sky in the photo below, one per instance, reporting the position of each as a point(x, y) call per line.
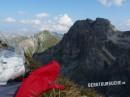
point(27, 16)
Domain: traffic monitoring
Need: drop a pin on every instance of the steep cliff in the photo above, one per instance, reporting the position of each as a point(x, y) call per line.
point(93, 51)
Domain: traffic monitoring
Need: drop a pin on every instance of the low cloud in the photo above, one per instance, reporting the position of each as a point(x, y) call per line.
point(124, 25)
point(59, 24)
point(31, 22)
point(128, 23)
point(42, 15)
point(65, 20)
point(64, 23)
point(10, 20)
point(109, 3)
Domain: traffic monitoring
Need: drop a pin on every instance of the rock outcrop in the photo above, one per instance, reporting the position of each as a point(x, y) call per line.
point(94, 51)
point(3, 45)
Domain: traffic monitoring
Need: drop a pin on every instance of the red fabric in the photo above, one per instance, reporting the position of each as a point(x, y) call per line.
point(40, 81)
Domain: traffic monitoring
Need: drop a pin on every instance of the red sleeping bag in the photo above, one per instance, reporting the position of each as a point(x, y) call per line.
point(40, 81)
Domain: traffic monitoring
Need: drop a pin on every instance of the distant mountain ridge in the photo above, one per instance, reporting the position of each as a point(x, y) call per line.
point(93, 51)
point(39, 42)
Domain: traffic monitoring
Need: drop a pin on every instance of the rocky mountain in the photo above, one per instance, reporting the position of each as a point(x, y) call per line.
point(93, 51)
point(3, 45)
point(35, 43)
point(15, 41)
point(45, 40)
point(39, 42)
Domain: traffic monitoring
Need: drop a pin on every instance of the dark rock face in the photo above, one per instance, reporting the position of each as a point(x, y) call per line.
point(3, 45)
point(94, 51)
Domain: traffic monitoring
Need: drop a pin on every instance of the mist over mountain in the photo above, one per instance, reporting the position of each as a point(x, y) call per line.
point(93, 51)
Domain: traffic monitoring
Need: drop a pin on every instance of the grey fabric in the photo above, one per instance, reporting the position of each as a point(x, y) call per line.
point(9, 89)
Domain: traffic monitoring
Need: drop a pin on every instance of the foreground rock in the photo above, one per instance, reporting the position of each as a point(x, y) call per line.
point(94, 51)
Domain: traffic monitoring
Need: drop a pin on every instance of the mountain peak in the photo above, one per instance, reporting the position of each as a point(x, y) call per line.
point(92, 51)
point(103, 20)
point(99, 25)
